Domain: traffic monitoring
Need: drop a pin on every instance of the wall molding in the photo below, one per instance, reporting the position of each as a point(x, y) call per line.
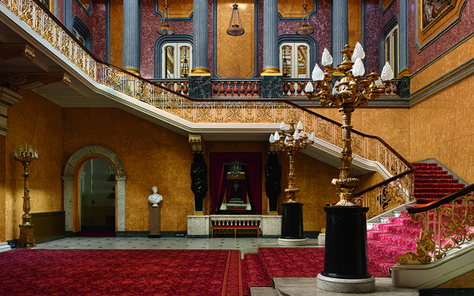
point(452, 77)
point(78, 158)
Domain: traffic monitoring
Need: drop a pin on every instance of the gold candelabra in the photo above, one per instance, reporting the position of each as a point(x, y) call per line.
point(26, 156)
point(291, 139)
point(351, 91)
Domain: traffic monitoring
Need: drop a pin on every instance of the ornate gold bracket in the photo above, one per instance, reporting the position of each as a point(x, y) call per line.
point(12, 51)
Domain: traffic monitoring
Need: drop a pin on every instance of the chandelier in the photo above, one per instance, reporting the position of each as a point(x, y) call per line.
point(235, 169)
point(235, 25)
point(351, 91)
point(165, 28)
point(305, 28)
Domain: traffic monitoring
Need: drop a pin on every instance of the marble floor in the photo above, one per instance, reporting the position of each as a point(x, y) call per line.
point(291, 286)
point(244, 244)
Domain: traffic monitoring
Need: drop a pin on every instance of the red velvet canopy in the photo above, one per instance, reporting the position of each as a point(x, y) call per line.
point(253, 172)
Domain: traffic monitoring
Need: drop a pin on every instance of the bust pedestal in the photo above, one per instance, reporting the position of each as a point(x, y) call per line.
point(155, 226)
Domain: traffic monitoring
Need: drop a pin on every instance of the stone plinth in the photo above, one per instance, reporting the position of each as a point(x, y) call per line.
point(155, 224)
point(271, 225)
point(198, 225)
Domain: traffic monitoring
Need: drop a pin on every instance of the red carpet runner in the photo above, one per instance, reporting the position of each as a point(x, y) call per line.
point(121, 272)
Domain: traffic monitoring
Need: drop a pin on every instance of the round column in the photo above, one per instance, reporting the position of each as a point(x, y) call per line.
point(131, 36)
point(270, 38)
point(339, 29)
point(200, 38)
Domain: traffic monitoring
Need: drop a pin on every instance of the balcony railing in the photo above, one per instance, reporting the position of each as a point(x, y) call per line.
point(445, 225)
point(231, 110)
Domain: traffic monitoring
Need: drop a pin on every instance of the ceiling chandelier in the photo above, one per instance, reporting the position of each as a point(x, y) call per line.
point(165, 28)
point(235, 25)
point(305, 28)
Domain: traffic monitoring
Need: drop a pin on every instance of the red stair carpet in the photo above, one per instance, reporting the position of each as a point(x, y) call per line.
point(398, 235)
point(121, 272)
point(433, 183)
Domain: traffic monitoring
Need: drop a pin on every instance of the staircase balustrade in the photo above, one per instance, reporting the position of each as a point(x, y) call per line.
point(235, 88)
point(388, 194)
point(230, 110)
point(445, 225)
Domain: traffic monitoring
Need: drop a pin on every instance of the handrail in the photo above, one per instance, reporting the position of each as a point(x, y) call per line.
point(440, 202)
point(32, 13)
point(388, 194)
point(445, 225)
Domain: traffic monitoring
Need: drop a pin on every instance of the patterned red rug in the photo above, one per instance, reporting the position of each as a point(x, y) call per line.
point(298, 262)
point(121, 272)
point(293, 262)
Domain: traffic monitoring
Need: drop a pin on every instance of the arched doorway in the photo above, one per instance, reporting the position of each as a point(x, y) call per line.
point(71, 184)
point(97, 198)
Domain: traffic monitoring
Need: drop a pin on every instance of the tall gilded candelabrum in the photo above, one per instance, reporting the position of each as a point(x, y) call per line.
point(26, 156)
point(291, 139)
point(351, 91)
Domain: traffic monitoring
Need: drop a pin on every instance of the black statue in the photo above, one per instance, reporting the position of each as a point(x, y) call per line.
point(273, 181)
point(199, 181)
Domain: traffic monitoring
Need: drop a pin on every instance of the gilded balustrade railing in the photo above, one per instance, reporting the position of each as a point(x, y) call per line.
point(235, 88)
point(231, 110)
point(445, 225)
point(388, 194)
point(293, 88)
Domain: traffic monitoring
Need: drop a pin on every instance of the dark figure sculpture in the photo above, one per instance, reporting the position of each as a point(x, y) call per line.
point(199, 181)
point(273, 181)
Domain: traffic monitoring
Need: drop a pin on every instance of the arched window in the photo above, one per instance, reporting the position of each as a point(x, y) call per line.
point(295, 59)
point(391, 49)
point(82, 33)
point(176, 59)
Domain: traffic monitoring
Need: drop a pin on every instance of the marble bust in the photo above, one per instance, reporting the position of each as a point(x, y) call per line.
point(155, 198)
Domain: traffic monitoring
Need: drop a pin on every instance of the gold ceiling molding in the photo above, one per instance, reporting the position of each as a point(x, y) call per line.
point(11, 51)
point(33, 80)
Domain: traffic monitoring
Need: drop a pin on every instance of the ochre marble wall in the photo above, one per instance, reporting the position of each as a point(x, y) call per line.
point(235, 54)
point(116, 33)
point(38, 122)
point(354, 22)
point(441, 128)
point(2, 187)
point(390, 124)
point(151, 155)
point(453, 59)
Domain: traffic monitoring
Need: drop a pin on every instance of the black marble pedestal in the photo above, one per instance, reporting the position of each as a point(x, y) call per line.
point(345, 254)
point(292, 221)
point(199, 87)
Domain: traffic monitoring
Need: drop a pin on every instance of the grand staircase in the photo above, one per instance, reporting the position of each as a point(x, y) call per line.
point(397, 235)
point(386, 239)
